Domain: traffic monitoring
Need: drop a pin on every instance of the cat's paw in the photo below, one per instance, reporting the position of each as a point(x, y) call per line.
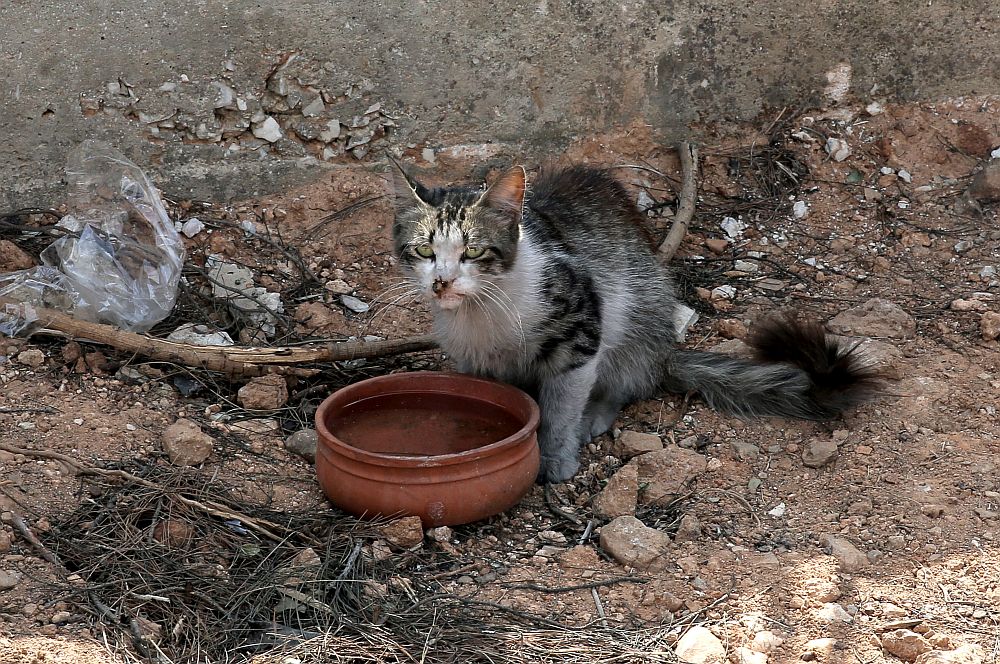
point(554, 470)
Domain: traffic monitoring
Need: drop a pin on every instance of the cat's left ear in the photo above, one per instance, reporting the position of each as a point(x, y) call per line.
point(408, 192)
point(507, 193)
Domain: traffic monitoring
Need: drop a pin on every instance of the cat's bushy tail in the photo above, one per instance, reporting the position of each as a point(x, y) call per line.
point(799, 371)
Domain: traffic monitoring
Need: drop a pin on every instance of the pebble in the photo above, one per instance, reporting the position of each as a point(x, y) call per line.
point(833, 613)
point(338, 286)
point(778, 510)
point(766, 641)
point(838, 149)
point(732, 227)
point(633, 443)
point(427, 154)
point(967, 305)
point(875, 318)
point(552, 537)
point(748, 656)
point(61, 617)
point(800, 209)
point(716, 245)
point(989, 325)
point(9, 579)
point(667, 473)
point(699, 646)
point(32, 357)
point(963, 246)
point(186, 444)
point(966, 654)
point(303, 442)
point(631, 542)
point(850, 557)
point(264, 393)
point(442, 534)
point(192, 227)
point(354, 304)
point(268, 130)
point(817, 452)
point(985, 186)
point(619, 496)
point(689, 529)
point(405, 533)
point(905, 644)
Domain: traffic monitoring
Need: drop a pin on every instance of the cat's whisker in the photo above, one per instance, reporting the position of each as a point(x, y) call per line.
point(411, 293)
point(493, 292)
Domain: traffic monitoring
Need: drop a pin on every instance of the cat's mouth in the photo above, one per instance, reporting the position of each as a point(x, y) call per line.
point(449, 300)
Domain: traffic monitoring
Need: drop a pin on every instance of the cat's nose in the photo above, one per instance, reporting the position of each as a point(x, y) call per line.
point(439, 286)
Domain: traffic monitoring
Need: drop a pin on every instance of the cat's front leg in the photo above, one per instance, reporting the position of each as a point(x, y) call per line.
point(562, 399)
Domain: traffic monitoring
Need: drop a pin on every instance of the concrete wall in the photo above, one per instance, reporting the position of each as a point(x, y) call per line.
point(182, 86)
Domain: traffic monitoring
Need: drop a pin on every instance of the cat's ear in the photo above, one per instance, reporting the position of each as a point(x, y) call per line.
point(408, 192)
point(507, 193)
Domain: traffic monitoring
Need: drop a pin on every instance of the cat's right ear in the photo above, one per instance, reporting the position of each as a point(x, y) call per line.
point(408, 192)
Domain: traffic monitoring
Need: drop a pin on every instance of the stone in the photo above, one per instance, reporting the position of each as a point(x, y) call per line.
point(619, 495)
point(833, 613)
point(32, 357)
point(667, 473)
point(13, 258)
point(405, 533)
point(338, 286)
point(766, 641)
point(717, 245)
point(745, 451)
point(989, 325)
point(837, 148)
point(192, 227)
point(60, 617)
point(631, 542)
point(268, 392)
point(817, 452)
point(303, 442)
point(689, 529)
point(800, 209)
point(965, 654)
point(699, 646)
point(268, 130)
point(6, 541)
point(851, 559)
point(731, 328)
point(441, 534)
point(749, 656)
point(9, 579)
point(174, 533)
point(633, 443)
point(354, 304)
point(985, 186)
point(314, 108)
point(331, 133)
point(186, 444)
point(875, 318)
point(905, 644)
point(820, 591)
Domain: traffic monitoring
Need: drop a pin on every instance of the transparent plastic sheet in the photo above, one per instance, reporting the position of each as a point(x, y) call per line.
point(120, 262)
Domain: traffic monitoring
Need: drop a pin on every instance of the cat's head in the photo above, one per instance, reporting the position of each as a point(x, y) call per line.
point(453, 242)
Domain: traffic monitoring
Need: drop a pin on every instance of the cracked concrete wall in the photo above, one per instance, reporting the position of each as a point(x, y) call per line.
point(221, 100)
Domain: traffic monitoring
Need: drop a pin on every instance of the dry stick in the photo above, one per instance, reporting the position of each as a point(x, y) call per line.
point(233, 360)
point(685, 208)
point(22, 528)
point(209, 507)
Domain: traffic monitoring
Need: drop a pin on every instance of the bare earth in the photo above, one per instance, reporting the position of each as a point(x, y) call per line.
point(912, 481)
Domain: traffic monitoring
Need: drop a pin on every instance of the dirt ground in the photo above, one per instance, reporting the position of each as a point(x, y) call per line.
point(913, 482)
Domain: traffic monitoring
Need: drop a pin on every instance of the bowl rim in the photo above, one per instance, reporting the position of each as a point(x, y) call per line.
point(326, 437)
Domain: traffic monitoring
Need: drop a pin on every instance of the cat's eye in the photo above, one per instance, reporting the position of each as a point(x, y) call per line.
point(474, 252)
point(425, 251)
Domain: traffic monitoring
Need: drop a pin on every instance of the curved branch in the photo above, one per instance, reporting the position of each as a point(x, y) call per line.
point(685, 208)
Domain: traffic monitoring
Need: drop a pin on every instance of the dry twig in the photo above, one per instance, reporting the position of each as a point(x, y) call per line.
point(685, 207)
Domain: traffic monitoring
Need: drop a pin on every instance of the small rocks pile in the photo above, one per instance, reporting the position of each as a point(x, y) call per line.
point(300, 108)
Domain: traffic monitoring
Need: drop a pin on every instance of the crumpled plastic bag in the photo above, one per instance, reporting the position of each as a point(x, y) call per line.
point(119, 264)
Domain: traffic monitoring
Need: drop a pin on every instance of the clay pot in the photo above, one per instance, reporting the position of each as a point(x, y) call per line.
point(448, 448)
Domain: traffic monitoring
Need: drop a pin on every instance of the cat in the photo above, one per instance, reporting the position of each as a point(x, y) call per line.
point(559, 292)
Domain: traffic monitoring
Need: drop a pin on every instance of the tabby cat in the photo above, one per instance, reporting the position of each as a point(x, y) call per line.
point(559, 292)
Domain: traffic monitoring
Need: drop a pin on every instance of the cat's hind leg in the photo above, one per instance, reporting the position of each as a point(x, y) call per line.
point(563, 399)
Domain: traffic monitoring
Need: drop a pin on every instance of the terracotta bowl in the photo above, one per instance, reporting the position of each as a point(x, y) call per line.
point(448, 448)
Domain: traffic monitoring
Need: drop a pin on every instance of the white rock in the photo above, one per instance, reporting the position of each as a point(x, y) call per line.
point(733, 227)
point(200, 335)
point(313, 108)
point(224, 95)
point(886, 170)
point(428, 155)
point(766, 641)
point(905, 176)
point(800, 209)
point(684, 318)
point(874, 108)
point(645, 202)
point(833, 613)
point(838, 149)
point(726, 292)
point(354, 304)
point(192, 227)
point(748, 656)
point(995, 154)
point(747, 266)
point(268, 130)
point(700, 646)
point(778, 510)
